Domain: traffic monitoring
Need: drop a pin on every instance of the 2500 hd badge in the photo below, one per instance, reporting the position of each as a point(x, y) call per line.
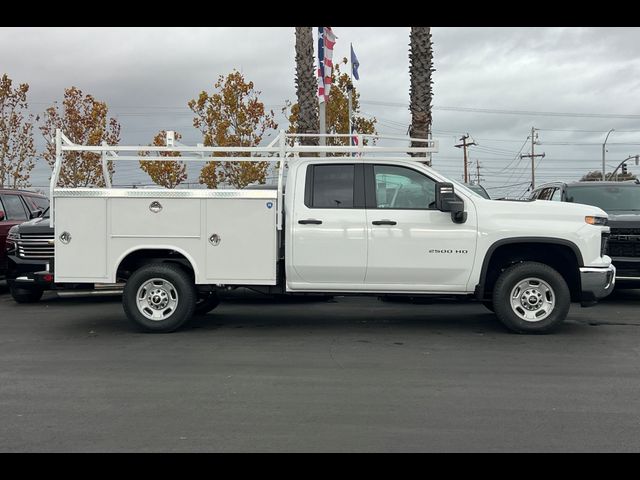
point(433, 250)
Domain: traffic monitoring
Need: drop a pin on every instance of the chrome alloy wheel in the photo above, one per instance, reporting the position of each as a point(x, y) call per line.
point(157, 299)
point(532, 299)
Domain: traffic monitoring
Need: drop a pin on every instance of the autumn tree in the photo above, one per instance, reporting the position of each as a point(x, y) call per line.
point(167, 174)
point(83, 119)
point(337, 110)
point(232, 115)
point(17, 150)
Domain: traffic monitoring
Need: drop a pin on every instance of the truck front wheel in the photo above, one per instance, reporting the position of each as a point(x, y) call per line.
point(531, 297)
point(159, 297)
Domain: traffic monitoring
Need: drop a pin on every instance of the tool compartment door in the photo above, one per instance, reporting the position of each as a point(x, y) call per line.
point(84, 257)
point(241, 246)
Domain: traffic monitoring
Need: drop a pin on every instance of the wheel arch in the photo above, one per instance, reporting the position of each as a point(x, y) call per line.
point(507, 251)
point(140, 255)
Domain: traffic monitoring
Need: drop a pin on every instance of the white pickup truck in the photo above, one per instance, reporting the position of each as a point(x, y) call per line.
point(368, 219)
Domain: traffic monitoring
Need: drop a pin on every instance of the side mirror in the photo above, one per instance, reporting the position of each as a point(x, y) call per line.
point(36, 213)
point(1, 215)
point(446, 201)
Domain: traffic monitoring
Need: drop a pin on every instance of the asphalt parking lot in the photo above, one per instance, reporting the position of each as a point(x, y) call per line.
point(350, 374)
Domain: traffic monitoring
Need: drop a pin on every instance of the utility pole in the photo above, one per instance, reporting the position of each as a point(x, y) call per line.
point(478, 171)
point(464, 145)
point(533, 156)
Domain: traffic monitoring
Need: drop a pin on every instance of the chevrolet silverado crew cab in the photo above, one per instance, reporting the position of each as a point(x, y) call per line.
point(621, 201)
point(367, 219)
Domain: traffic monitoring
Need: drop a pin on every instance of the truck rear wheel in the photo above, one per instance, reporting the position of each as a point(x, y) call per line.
point(159, 297)
point(26, 295)
point(531, 297)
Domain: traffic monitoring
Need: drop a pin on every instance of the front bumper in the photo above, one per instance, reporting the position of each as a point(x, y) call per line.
point(30, 273)
point(596, 283)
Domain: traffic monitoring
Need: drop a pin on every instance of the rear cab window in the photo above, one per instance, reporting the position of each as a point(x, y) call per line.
point(334, 186)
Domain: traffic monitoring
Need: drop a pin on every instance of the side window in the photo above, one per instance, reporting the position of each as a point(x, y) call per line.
point(557, 195)
point(403, 188)
point(14, 207)
point(40, 203)
point(330, 186)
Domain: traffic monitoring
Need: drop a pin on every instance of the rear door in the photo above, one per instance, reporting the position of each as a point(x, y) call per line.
point(329, 241)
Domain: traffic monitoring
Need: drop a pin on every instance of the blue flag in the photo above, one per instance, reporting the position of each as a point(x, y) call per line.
point(354, 64)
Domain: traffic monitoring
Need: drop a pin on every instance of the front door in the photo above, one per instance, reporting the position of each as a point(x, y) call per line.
point(411, 245)
point(329, 238)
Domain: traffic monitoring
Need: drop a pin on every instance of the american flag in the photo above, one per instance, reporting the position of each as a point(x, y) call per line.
point(326, 41)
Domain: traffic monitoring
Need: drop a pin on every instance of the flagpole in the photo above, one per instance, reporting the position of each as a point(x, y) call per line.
point(322, 107)
point(350, 91)
point(323, 121)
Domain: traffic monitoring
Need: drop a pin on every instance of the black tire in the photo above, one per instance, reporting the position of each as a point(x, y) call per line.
point(489, 305)
point(551, 316)
point(206, 302)
point(26, 295)
point(173, 284)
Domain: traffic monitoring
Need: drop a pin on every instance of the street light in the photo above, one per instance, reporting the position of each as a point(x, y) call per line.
point(603, 145)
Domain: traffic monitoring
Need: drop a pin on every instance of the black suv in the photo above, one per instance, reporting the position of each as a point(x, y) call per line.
point(30, 259)
point(621, 200)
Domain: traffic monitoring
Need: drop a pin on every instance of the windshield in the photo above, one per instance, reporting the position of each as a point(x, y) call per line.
point(45, 214)
point(610, 198)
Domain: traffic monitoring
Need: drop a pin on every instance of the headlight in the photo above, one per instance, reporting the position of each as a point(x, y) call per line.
point(13, 233)
point(596, 220)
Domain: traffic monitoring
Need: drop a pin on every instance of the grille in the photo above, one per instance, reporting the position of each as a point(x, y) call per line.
point(35, 245)
point(624, 242)
point(604, 244)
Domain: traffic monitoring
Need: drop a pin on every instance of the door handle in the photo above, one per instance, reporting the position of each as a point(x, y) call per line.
point(311, 221)
point(384, 222)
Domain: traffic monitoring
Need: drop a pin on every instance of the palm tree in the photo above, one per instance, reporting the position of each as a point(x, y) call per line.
point(420, 68)
point(306, 86)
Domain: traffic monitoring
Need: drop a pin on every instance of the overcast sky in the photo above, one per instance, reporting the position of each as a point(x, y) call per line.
point(574, 84)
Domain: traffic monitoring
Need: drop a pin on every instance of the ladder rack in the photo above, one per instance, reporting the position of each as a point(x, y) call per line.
point(282, 149)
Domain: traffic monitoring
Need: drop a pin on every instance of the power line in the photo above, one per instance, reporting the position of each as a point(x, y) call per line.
point(511, 112)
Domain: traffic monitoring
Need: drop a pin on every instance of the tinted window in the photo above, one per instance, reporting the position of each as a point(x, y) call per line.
point(333, 186)
point(610, 198)
point(403, 188)
point(14, 209)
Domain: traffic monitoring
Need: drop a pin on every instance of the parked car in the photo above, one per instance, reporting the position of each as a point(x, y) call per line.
point(621, 200)
point(479, 189)
point(16, 207)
